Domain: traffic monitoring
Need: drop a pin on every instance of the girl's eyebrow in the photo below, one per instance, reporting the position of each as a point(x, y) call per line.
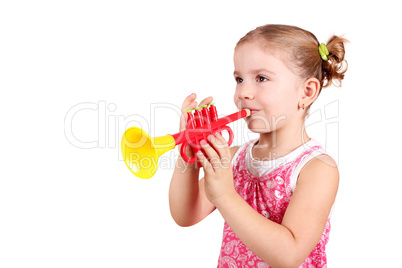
point(256, 71)
point(262, 70)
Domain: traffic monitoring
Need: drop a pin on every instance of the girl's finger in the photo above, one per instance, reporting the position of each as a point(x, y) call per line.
point(220, 139)
point(221, 146)
point(219, 143)
point(211, 154)
point(206, 101)
point(204, 162)
point(189, 102)
point(189, 106)
point(191, 97)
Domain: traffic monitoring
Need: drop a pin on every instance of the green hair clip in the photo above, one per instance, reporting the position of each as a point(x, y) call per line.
point(323, 51)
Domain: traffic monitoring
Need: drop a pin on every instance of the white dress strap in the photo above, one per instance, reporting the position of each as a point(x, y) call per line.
point(306, 158)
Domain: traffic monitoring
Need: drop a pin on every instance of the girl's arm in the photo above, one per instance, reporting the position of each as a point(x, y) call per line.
point(188, 202)
point(280, 245)
point(185, 198)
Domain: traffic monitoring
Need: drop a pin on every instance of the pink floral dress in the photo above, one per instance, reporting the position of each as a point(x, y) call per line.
point(270, 196)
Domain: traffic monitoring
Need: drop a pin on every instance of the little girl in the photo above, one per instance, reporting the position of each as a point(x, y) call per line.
point(276, 192)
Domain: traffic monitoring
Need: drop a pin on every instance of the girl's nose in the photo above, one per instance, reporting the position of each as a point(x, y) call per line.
point(246, 92)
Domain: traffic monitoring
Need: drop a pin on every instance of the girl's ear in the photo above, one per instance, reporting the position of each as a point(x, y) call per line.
point(310, 91)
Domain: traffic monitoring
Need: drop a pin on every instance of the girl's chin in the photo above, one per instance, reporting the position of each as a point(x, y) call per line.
point(257, 128)
point(258, 124)
point(259, 131)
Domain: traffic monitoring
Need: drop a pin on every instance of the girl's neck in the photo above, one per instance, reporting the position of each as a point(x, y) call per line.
point(279, 143)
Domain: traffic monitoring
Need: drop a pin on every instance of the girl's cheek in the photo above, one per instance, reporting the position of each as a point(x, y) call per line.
point(236, 99)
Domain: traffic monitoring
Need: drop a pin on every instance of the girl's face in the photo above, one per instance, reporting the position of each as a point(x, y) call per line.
point(267, 87)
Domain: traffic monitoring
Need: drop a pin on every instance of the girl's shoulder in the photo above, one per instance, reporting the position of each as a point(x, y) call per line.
point(315, 156)
point(320, 171)
point(311, 156)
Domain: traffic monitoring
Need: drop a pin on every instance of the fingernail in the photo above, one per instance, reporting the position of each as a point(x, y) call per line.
point(203, 142)
point(199, 153)
point(210, 137)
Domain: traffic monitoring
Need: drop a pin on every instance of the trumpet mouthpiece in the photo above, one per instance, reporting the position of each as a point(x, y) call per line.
point(248, 112)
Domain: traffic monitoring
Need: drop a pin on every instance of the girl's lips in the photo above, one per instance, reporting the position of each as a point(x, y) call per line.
point(254, 111)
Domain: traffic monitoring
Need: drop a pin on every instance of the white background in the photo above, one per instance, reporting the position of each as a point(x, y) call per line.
point(133, 63)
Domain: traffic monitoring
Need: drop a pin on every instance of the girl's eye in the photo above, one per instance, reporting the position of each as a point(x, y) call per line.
point(262, 79)
point(239, 80)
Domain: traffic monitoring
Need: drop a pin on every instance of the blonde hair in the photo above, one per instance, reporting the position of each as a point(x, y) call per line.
point(301, 52)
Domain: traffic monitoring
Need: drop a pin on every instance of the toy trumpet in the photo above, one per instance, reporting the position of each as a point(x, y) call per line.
point(141, 152)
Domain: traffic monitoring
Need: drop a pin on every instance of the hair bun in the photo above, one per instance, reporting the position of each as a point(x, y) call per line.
point(334, 69)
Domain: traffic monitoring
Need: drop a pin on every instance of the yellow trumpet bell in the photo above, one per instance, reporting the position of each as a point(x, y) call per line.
point(141, 152)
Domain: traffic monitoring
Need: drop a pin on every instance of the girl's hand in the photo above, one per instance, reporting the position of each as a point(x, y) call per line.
point(188, 104)
point(217, 168)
